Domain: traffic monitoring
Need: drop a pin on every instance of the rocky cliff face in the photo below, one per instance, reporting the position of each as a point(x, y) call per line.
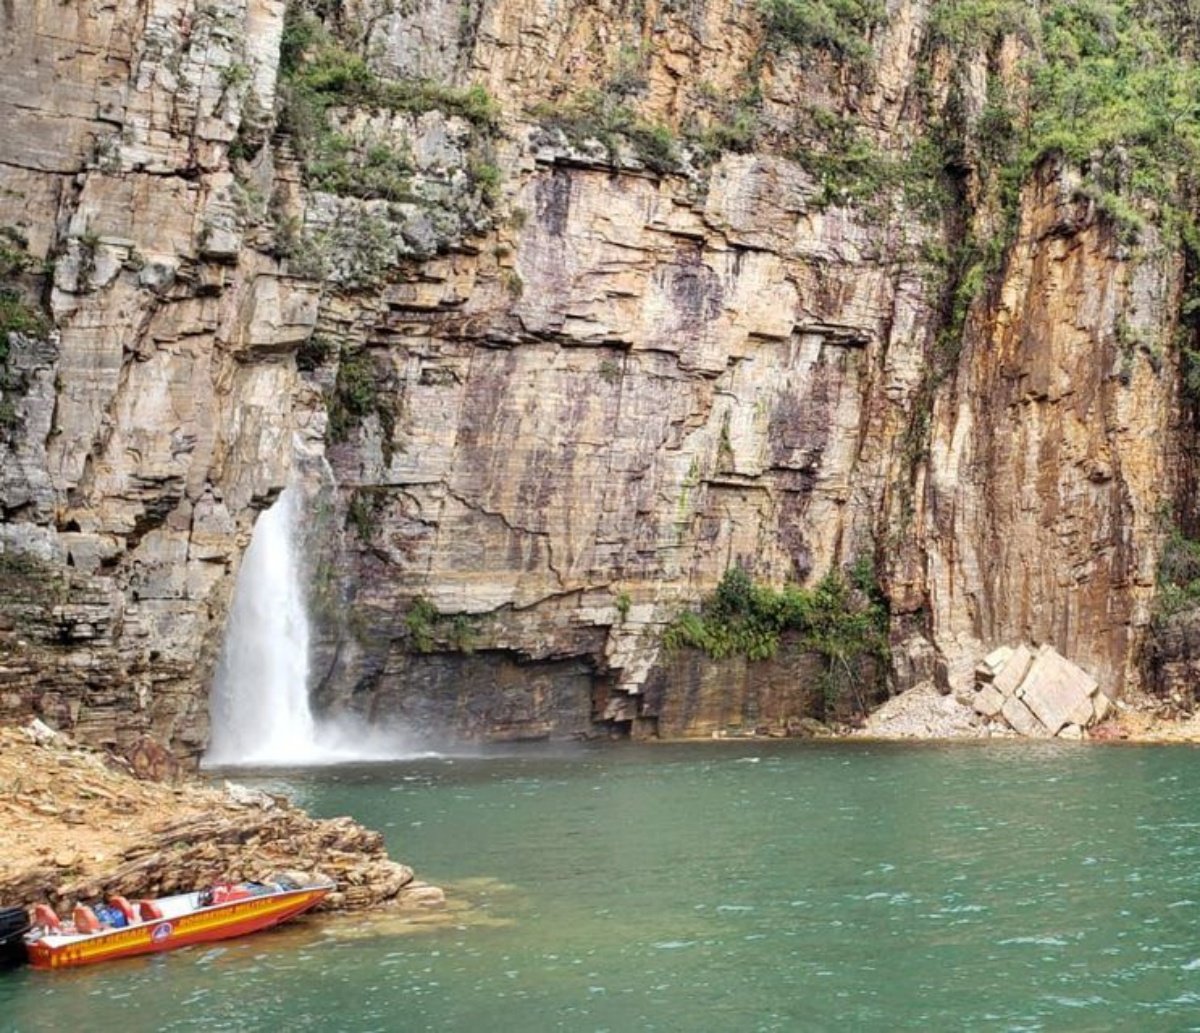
point(558, 311)
point(1048, 471)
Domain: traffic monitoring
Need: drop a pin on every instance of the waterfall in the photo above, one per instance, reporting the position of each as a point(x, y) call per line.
point(259, 701)
point(260, 694)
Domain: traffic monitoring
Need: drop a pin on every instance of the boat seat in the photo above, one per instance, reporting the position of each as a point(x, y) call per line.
point(149, 911)
point(85, 919)
point(225, 894)
point(123, 905)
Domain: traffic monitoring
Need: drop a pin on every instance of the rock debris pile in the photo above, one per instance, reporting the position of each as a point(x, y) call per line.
point(923, 712)
point(1039, 693)
point(1033, 692)
point(75, 824)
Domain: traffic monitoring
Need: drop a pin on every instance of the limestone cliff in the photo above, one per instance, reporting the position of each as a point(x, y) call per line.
point(558, 310)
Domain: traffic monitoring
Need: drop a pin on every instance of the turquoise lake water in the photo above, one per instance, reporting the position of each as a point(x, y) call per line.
point(721, 886)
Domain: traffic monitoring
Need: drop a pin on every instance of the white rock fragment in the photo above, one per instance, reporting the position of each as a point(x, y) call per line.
point(244, 796)
point(41, 733)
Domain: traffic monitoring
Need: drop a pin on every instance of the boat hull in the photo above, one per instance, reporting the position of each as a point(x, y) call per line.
point(219, 922)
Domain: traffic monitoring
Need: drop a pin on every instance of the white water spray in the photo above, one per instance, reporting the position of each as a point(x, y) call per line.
point(260, 711)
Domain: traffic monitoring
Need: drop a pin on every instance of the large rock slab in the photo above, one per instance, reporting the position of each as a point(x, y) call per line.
point(1007, 680)
point(1057, 691)
point(989, 701)
point(993, 664)
point(1022, 720)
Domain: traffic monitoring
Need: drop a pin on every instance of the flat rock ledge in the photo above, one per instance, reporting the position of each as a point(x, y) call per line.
point(77, 824)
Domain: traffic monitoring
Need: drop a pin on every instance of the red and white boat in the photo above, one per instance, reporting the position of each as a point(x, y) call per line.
point(165, 923)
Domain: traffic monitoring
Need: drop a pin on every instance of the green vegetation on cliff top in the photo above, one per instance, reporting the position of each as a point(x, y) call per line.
point(1115, 92)
point(1107, 86)
point(839, 26)
point(1112, 88)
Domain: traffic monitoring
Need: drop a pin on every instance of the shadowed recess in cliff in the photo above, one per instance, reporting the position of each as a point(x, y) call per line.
point(261, 715)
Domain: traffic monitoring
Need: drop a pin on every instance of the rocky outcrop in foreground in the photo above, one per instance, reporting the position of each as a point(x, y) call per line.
point(77, 825)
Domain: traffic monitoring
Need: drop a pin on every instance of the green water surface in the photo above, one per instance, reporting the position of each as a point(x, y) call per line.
point(721, 886)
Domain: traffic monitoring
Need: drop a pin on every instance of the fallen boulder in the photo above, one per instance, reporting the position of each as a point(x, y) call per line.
point(1039, 693)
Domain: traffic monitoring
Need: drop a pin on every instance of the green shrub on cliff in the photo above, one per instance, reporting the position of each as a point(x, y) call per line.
point(373, 171)
point(319, 72)
point(838, 26)
point(363, 511)
point(1190, 373)
point(594, 115)
point(362, 390)
point(355, 394)
point(1178, 575)
point(420, 620)
point(18, 317)
point(842, 620)
point(18, 283)
point(326, 71)
point(428, 629)
point(14, 255)
point(978, 23)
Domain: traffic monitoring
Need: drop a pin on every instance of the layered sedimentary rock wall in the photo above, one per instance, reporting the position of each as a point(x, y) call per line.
point(146, 413)
point(557, 310)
